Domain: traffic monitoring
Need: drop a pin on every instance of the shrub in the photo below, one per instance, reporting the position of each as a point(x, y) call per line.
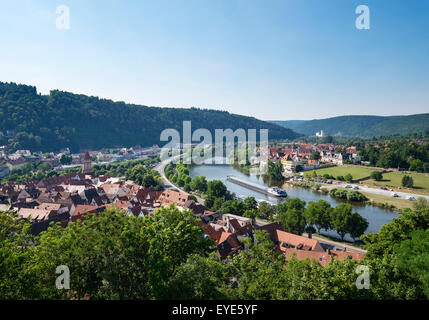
point(407, 181)
point(348, 177)
point(349, 195)
point(376, 175)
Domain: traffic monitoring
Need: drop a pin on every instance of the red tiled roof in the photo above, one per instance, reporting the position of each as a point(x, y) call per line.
point(343, 255)
point(322, 257)
point(168, 197)
point(286, 239)
point(271, 229)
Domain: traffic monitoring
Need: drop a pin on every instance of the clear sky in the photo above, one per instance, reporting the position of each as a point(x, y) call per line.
point(275, 60)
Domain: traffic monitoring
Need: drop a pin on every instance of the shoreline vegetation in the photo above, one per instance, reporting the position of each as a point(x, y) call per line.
point(367, 198)
point(292, 213)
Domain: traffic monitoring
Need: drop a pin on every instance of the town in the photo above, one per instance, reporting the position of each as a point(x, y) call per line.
point(72, 196)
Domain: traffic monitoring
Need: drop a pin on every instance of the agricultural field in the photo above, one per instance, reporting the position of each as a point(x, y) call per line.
point(394, 179)
point(356, 172)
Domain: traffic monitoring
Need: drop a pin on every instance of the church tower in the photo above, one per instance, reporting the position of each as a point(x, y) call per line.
point(86, 163)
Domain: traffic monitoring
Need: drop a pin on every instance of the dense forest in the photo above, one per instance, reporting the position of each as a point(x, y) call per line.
point(29, 120)
point(115, 256)
point(361, 126)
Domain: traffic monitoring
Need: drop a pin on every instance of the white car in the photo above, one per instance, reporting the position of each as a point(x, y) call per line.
point(411, 198)
point(349, 186)
point(356, 188)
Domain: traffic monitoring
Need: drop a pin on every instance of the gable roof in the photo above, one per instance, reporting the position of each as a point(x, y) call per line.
point(228, 245)
point(286, 239)
point(322, 257)
point(271, 229)
point(168, 197)
point(195, 207)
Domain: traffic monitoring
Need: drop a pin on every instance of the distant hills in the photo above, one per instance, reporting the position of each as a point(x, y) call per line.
point(29, 120)
point(362, 126)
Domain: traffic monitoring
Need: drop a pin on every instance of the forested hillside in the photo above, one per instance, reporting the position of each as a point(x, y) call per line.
point(29, 120)
point(363, 126)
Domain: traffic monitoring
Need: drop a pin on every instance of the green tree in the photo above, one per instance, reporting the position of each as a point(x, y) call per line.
point(265, 210)
point(407, 181)
point(318, 214)
point(421, 204)
point(216, 189)
point(413, 257)
point(251, 214)
point(291, 215)
point(357, 225)
point(376, 175)
point(199, 183)
point(417, 165)
point(293, 221)
point(110, 255)
point(257, 272)
point(348, 177)
point(234, 206)
point(250, 203)
point(200, 278)
point(66, 159)
point(275, 170)
point(340, 219)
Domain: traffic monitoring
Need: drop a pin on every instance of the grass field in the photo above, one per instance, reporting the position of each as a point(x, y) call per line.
point(356, 172)
point(398, 203)
point(394, 179)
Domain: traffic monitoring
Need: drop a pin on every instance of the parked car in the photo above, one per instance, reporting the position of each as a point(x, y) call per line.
point(356, 188)
point(349, 186)
point(395, 195)
point(411, 198)
point(383, 188)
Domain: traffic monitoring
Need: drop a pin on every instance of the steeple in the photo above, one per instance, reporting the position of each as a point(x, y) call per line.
point(86, 163)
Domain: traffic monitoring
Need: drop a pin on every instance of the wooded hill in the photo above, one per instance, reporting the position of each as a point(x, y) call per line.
point(29, 120)
point(361, 126)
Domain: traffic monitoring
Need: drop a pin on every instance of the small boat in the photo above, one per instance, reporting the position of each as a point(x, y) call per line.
point(278, 192)
point(240, 197)
point(259, 201)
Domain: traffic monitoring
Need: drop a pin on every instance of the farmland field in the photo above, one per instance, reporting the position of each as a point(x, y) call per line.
point(356, 172)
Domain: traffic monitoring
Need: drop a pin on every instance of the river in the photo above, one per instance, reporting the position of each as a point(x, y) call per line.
point(377, 217)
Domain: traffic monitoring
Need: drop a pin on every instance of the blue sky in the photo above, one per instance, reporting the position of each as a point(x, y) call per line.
point(272, 59)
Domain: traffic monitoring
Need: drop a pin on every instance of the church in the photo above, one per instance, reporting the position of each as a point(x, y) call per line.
point(87, 162)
